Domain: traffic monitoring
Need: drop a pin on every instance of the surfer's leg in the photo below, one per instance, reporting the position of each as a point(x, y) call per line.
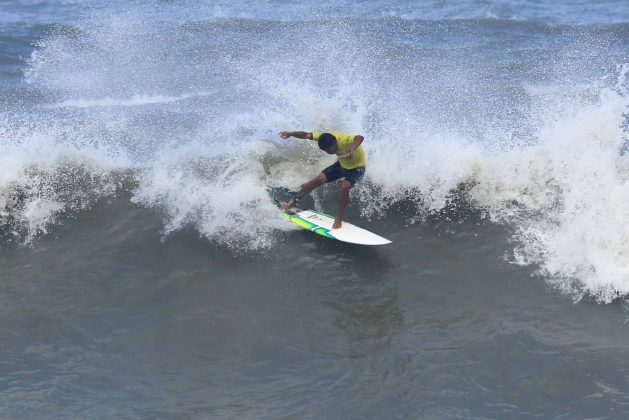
point(312, 184)
point(345, 187)
point(306, 189)
point(352, 176)
point(329, 174)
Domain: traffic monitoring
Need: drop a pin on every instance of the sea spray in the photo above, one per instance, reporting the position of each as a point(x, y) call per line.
point(529, 132)
point(42, 180)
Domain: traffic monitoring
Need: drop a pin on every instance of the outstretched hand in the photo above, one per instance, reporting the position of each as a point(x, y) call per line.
point(285, 134)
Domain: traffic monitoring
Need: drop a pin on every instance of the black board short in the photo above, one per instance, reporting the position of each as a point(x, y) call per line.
point(336, 171)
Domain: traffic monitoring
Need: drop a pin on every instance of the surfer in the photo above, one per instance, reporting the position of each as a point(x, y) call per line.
point(349, 165)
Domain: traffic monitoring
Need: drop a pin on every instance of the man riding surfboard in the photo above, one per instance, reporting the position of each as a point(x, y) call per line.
point(350, 165)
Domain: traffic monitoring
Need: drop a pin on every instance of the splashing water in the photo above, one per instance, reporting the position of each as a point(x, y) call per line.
point(187, 103)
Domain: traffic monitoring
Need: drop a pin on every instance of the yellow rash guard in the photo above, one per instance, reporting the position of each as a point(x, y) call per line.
point(344, 141)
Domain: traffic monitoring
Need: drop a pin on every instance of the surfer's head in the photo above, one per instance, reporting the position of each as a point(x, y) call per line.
point(327, 143)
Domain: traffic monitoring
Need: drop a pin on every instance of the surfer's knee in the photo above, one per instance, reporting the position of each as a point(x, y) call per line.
point(322, 179)
point(346, 185)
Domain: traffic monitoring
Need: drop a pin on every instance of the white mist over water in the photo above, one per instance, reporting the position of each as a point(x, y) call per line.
point(190, 102)
point(43, 177)
point(566, 196)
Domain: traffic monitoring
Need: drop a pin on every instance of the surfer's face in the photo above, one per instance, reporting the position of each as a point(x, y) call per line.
point(332, 149)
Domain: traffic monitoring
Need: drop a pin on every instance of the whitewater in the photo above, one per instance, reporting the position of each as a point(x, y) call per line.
point(137, 141)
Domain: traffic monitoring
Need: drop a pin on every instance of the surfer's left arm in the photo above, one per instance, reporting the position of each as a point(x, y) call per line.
point(298, 134)
point(357, 142)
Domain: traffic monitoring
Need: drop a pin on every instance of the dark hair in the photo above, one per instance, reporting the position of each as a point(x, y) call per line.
point(326, 140)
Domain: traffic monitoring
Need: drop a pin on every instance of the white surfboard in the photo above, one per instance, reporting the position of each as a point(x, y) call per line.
point(321, 223)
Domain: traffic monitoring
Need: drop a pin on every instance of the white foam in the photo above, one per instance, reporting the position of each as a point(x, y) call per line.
point(42, 178)
point(542, 158)
point(135, 100)
point(221, 195)
point(565, 195)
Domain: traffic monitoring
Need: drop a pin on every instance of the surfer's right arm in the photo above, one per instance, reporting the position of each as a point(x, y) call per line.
point(299, 134)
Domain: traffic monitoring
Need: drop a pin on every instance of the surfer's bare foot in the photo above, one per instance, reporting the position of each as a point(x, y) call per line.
point(337, 224)
point(287, 205)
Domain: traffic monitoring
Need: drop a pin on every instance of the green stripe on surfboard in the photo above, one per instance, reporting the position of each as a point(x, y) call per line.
point(305, 224)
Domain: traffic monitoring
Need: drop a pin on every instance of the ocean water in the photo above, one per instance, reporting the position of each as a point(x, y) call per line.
point(144, 272)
